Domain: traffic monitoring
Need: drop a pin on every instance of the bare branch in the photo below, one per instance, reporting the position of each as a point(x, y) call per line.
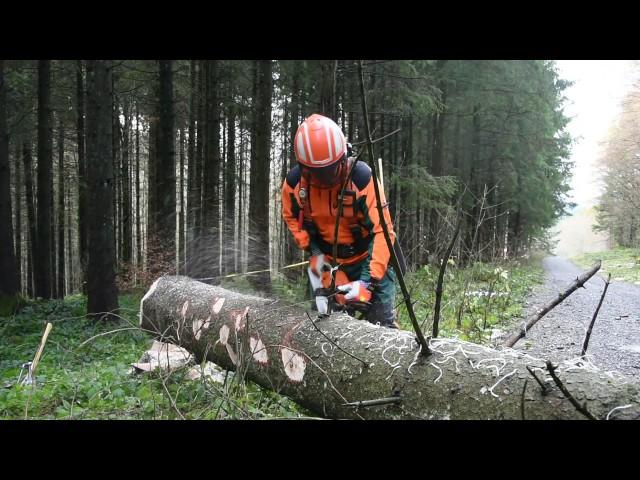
point(578, 282)
point(420, 337)
point(371, 403)
point(542, 385)
point(443, 267)
point(581, 408)
point(595, 315)
point(333, 343)
point(524, 389)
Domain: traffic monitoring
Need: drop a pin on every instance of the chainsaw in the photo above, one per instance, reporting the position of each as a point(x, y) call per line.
point(335, 297)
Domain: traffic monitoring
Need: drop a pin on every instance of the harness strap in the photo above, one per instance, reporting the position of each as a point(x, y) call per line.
point(305, 220)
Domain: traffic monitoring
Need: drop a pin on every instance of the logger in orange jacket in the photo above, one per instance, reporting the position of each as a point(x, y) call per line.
point(310, 206)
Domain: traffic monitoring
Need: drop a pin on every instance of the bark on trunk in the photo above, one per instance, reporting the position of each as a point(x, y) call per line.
point(60, 289)
point(209, 248)
point(230, 191)
point(138, 245)
point(127, 234)
point(102, 293)
point(9, 283)
point(42, 259)
point(18, 207)
point(259, 188)
point(82, 176)
point(166, 168)
point(278, 347)
point(31, 217)
point(191, 169)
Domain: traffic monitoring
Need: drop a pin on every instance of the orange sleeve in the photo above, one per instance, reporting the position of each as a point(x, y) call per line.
point(379, 255)
point(290, 209)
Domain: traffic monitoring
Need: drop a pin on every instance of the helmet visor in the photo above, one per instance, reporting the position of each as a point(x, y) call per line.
point(325, 176)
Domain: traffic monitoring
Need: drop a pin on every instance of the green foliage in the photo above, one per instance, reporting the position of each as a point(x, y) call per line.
point(93, 381)
point(622, 263)
point(617, 212)
point(295, 291)
point(9, 304)
point(475, 300)
point(425, 190)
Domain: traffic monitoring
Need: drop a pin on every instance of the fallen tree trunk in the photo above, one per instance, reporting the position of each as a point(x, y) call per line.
point(277, 346)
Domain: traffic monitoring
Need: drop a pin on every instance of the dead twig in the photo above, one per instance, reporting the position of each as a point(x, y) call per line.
point(385, 230)
point(595, 315)
point(114, 331)
point(578, 282)
point(443, 267)
point(378, 139)
point(333, 343)
point(581, 408)
point(542, 385)
point(371, 403)
point(524, 389)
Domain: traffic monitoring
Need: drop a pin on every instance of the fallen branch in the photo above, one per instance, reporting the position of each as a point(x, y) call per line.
point(371, 403)
point(595, 315)
point(542, 385)
point(578, 282)
point(112, 331)
point(581, 408)
point(524, 390)
point(334, 343)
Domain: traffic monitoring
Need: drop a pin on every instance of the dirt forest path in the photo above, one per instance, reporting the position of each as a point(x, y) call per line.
point(615, 339)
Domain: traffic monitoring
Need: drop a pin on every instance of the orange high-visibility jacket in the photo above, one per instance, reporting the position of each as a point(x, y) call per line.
point(323, 207)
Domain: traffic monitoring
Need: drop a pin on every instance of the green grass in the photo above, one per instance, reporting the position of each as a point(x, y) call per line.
point(622, 263)
point(471, 316)
point(93, 381)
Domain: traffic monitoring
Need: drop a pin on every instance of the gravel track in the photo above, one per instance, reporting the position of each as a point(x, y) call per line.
point(615, 339)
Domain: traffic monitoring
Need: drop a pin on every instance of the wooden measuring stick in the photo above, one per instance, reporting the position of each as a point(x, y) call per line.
point(36, 359)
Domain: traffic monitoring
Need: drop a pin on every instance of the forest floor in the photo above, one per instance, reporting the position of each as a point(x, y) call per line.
point(615, 338)
point(85, 371)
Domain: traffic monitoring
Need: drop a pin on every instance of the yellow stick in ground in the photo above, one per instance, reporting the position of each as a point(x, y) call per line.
point(36, 359)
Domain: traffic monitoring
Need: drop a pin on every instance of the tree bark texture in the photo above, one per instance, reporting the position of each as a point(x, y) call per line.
point(82, 174)
point(101, 286)
point(31, 217)
point(60, 289)
point(278, 347)
point(260, 162)
point(9, 283)
point(166, 173)
point(42, 260)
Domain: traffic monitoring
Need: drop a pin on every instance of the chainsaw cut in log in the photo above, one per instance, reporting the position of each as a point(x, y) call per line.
point(279, 348)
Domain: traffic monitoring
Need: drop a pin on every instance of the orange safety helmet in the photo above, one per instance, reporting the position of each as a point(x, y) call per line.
point(319, 142)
